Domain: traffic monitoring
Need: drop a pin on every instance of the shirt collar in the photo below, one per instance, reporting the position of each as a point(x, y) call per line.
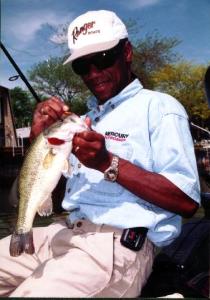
point(98, 110)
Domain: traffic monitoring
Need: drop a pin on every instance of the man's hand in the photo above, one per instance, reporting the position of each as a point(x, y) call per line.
point(46, 113)
point(90, 149)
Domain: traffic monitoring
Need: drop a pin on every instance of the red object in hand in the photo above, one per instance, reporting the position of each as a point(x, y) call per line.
point(55, 141)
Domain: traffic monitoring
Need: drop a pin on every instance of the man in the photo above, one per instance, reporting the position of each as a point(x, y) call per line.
point(134, 176)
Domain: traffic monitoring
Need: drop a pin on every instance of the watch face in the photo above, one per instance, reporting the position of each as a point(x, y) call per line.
point(110, 174)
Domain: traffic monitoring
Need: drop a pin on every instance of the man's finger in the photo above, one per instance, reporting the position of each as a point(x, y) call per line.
point(61, 103)
point(89, 136)
point(88, 121)
point(58, 106)
point(51, 112)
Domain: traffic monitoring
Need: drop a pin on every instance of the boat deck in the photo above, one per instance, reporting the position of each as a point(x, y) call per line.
point(8, 221)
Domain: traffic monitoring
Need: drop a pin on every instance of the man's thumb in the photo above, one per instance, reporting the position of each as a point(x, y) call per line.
point(88, 121)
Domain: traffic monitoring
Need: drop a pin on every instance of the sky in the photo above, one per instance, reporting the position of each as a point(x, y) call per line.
point(27, 27)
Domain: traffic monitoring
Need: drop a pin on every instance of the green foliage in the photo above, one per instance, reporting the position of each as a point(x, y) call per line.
point(185, 82)
point(152, 54)
point(22, 105)
point(52, 78)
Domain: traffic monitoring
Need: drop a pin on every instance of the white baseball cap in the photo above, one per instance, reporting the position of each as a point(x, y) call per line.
point(94, 31)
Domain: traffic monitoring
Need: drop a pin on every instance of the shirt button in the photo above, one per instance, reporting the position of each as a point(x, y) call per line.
point(70, 226)
point(79, 224)
point(97, 119)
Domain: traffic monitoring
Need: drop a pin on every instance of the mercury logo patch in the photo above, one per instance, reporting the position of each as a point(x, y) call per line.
point(116, 136)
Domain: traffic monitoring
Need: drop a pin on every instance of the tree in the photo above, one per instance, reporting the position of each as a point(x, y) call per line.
point(152, 54)
point(185, 82)
point(52, 78)
point(23, 105)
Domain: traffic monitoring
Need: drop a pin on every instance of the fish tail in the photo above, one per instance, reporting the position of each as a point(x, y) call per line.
point(20, 243)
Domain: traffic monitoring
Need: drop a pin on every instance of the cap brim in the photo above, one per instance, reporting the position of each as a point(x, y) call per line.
point(91, 49)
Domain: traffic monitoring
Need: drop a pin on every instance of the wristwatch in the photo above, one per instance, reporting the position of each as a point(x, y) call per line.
point(111, 173)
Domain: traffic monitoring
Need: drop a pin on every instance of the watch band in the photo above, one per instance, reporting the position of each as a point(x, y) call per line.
point(111, 172)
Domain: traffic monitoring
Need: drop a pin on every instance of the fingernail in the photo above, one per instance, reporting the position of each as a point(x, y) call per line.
point(65, 108)
point(66, 113)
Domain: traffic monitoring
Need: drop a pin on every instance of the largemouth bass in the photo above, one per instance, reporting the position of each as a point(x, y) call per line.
point(42, 168)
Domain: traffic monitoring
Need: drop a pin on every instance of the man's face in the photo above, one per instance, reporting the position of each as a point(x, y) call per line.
point(108, 81)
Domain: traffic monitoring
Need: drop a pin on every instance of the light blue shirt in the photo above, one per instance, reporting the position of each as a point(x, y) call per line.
point(151, 130)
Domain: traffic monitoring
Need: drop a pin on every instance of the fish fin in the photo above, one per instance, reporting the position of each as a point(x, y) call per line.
point(45, 208)
point(13, 196)
point(20, 243)
point(47, 162)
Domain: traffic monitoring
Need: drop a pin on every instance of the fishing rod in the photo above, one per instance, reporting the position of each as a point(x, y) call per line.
point(22, 76)
point(201, 128)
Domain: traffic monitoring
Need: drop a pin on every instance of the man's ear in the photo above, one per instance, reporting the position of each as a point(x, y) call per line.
point(128, 52)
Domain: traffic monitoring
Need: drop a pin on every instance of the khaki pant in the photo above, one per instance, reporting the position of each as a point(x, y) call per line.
point(86, 261)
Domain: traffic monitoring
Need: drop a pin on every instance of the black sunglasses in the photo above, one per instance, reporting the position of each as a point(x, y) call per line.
point(101, 60)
